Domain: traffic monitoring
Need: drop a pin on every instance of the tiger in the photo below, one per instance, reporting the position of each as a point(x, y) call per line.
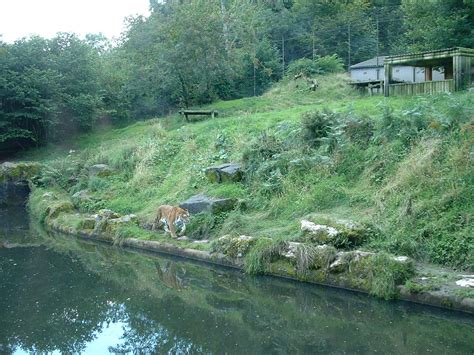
point(171, 217)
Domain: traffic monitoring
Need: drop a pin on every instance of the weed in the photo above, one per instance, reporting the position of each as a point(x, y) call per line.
point(265, 250)
point(385, 274)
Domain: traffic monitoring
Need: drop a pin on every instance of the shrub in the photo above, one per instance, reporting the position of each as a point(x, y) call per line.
point(306, 66)
point(320, 65)
point(265, 164)
point(321, 127)
point(358, 129)
point(330, 64)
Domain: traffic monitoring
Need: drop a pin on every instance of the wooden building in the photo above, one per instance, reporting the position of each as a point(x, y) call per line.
point(457, 64)
point(370, 74)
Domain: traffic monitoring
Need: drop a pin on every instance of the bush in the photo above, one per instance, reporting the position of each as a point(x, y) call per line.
point(330, 64)
point(265, 164)
point(306, 66)
point(321, 127)
point(358, 129)
point(321, 65)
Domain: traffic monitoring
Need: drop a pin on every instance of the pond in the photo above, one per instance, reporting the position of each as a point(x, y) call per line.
point(59, 294)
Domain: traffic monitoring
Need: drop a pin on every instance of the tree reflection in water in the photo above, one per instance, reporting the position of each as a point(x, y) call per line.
point(64, 296)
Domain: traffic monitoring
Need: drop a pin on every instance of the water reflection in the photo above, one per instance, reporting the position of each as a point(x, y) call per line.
point(73, 296)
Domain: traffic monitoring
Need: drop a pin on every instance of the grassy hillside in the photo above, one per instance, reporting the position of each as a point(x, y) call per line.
point(401, 165)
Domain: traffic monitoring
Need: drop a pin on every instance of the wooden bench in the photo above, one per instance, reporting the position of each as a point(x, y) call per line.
point(187, 113)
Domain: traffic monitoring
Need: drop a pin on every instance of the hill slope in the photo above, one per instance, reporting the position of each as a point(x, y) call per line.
point(401, 165)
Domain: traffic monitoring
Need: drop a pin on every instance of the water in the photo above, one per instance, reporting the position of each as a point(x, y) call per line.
point(63, 295)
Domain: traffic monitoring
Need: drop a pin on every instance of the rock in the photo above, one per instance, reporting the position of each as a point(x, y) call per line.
point(318, 229)
point(319, 233)
point(183, 238)
point(203, 241)
point(100, 170)
point(229, 172)
point(81, 197)
point(201, 203)
point(340, 233)
point(465, 282)
point(402, 259)
point(49, 196)
point(18, 171)
point(87, 223)
point(56, 209)
point(235, 247)
point(107, 214)
point(343, 258)
point(110, 225)
point(290, 253)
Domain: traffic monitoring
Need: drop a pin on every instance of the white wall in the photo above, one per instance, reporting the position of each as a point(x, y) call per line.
point(367, 74)
point(399, 73)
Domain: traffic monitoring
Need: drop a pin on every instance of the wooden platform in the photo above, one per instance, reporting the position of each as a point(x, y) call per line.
point(187, 113)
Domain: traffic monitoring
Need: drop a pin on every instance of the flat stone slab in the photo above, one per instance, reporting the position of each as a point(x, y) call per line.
point(202, 203)
point(229, 172)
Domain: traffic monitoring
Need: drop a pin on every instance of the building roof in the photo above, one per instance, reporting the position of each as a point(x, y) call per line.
point(437, 56)
point(371, 63)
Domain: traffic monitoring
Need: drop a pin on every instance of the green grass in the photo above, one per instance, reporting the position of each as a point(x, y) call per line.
point(403, 165)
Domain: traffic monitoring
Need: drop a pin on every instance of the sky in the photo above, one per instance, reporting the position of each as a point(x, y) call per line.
point(21, 18)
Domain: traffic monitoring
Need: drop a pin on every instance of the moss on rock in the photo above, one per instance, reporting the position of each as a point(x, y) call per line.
point(234, 247)
point(18, 171)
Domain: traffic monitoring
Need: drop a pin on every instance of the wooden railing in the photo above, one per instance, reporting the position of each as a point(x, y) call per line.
point(426, 87)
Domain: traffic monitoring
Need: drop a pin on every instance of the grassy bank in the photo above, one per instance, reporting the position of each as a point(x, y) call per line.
point(402, 166)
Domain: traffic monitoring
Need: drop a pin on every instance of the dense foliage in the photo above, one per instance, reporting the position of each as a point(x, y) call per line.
point(194, 51)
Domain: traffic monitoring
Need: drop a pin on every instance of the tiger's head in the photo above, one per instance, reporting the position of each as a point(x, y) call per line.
point(184, 215)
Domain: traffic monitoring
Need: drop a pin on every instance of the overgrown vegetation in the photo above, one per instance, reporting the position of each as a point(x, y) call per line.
point(400, 167)
point(385, 274)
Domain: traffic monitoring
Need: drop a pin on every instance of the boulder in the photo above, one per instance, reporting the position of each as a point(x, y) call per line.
point(81, 197)
point(100, 170)
point(234, 247)
point(14, 172)
point(108, 221)
point(87, 223)
point(466, 282)
point(338, 232)
point(56, 209)
point(325, 232)
point(290, 253)
point(343, 259)
point(201, 203)
point(229, 172)
point(107, 214)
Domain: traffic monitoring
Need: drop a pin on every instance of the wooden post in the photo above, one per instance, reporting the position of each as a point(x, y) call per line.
point(388, 79)
point(448, 70)
point(461, 72)
point(428, 73)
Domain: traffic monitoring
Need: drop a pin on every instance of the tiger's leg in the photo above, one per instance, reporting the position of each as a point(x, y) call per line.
point(172, 230)
point(181, 233)
point(157, 220)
